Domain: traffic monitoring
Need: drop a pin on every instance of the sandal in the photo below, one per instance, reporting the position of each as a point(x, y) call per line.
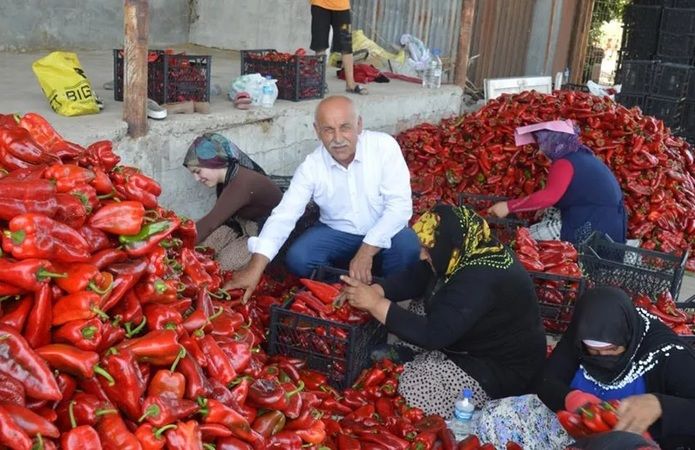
point(359, 90)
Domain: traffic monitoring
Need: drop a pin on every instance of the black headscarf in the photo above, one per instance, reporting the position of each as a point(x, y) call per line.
point(606, 314)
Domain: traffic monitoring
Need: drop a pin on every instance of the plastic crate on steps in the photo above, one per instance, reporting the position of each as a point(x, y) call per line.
point(299, 77)
point(556, 297)
point(636, 76)
point(678, 20)
point(171, 77)
point(671, 80)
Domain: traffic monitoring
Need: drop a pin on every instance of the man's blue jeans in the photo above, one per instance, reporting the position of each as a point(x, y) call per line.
point(321, 245)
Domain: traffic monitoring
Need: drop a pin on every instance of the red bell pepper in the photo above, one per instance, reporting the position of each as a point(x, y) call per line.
point(83, 334)
point(573, 424)
point(216, 412)
point(122, 218)
point(167, 382)
point(28, 274)
point(46, 136)
point(149, 236)
point(325, 292)
point(156, 347)
point(591, 417)
point(100, 156)
point(38, 327)
point(115, 435)
point(72, 360)
point(151, 438)
point(218, 365)
point(78, 276)
point(270, 423)
point(197, 384)
point(81, 305)
point(68, 176)
point(469, 443)
point(153, 289)
point(19, 143)
point(11, 434)
point(79, 437)
point(285, 440)
point(164, 410)
point(232, 443)
point(84, 408)
point(129, 386)
point(32, 423)
point(315, 434)
point(186, 436)
point(19, 361)
point(12, 390)
point(38, 236)
point(193, 268)
point(71, 211)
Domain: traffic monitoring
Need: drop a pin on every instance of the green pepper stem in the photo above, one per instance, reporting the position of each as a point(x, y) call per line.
point(71, 413)
point(182, 354)
point(17, 236)
point(105, 411)
point(300, 387)
point(158, 431)
point(101, 314)
point(130, 333)
point(42, 274)
point(208, 446)
point(98, 290)
point(152, 410)
point(101, 371)
point(88, 332)
point(105, 196)
point(39, 445)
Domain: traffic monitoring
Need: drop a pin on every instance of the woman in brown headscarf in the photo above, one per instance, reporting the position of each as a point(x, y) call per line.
point(245, 196)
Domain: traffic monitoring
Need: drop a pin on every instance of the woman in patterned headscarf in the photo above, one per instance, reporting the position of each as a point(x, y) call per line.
point(579, 185)
point(244, 193)
point(478, 324)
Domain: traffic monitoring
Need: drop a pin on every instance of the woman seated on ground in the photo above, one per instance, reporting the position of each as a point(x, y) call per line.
point(245, 196)
point(478, 326)
point(611, 350)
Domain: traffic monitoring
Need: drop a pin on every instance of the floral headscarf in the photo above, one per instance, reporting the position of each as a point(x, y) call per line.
point(214, 151)
point(458, 237)
point(556, 145)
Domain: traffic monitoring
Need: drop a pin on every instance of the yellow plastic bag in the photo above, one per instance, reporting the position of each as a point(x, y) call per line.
point(378, 57)
point(65, 84)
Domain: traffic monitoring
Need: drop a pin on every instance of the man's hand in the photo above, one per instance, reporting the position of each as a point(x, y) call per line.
point(638, 412)
point(249, 276)
point(365, 297)
point(361, 264)
point(499, 209)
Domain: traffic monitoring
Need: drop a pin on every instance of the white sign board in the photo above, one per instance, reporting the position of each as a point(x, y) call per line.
point(497, 86)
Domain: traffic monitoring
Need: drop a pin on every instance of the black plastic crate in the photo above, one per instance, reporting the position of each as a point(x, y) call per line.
point(633, 269)
point(298, 77)
point(671, 80)
point(338, 350)
point(687, 127)
point(504, 229)
point(171, 78)
point(683, 60)
point(556, 297)
point(630, 100)
point(635, 77)
point(683, 4)
point(678, 20)
point(638, 43)
point(667, 109)
point(574, 87)
point(672, 45)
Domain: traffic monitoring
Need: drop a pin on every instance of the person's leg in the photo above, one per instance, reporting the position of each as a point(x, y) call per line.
point(342, 42)
point(404, 251)
point(320, 28)
point(318, 246)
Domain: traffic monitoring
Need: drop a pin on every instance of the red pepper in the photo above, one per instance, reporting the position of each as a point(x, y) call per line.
point(100, 155)
point(102, 183)
point(148, 237)
point(216, 412)
point(232, 443)
point(29, 421)
point(122, 218)
point(114, 434)
point(38, 236)
point(572, 423)
point(383, 438)
point(78, 306)
point(129, 386)
point(591, 417)
point(167, 382)
point(11, 434)
point(12, 390)
point(186, 436)
point(79, 437)
point(83, 334)
point(70, 211)
point(323, 291)
point(469, 443)
point(164, 410)
point(193, 268)
point(151, 438)
point(19, 361)
point(269, 423)
point(218, 365)
point(152, 289)
point(111, 334)
point(72, 360)
point(107, 257)
point(78, 276)
point(156, 347)
point(46, 136)
point(285, 440)
point(19, 143)
point(197, 384)
point(84, 408)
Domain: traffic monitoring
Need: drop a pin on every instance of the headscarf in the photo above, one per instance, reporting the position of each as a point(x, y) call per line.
point(556, 145)
point(457, 237)
point(607, 314)
point(214, 151)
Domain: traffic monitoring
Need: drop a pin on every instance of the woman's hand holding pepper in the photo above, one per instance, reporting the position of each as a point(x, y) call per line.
point(365, 297)
point(638, 412)
point(499, 209)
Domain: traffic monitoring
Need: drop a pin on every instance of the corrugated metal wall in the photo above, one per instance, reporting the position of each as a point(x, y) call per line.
point(501, 33)
point(436, 22)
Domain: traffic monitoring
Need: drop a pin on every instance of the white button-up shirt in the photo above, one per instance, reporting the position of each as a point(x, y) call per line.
point(371, 197)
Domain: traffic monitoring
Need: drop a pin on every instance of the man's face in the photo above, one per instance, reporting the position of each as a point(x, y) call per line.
point(338, 127)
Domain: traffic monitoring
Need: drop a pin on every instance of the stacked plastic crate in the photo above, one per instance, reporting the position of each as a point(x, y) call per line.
point(656, 61)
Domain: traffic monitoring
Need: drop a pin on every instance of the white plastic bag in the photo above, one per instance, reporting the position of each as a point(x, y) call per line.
point(419, 53)
point(251, 83)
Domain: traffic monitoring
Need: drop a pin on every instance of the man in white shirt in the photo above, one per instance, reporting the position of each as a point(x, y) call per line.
point(361, 184)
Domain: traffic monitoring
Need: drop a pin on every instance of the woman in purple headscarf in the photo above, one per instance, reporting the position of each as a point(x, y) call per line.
point(580, 185)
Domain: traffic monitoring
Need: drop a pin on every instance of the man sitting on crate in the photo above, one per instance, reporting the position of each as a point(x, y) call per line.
point(361, 184)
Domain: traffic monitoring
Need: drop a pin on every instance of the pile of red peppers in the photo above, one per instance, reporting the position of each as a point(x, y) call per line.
point(115, 332)
point(668, 312)
point(476, 153)
point(590, 418)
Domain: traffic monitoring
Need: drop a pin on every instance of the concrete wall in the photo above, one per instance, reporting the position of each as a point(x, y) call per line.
point(277, 139)
point(251, 24)
point(85, 24)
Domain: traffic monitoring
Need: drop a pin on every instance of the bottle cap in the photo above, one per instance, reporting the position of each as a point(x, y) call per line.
point(436, 52)
point(467, 393)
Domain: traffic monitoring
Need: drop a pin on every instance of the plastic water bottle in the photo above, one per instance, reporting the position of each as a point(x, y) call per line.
point(267, 99)
point(463, 414)
point(433, 72)
point(566, 75)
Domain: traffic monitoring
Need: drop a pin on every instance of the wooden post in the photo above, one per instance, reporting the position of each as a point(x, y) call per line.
point(580, 40)
point(135, 18)
point(465, 38)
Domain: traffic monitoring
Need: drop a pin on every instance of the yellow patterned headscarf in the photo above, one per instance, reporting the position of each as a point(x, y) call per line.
point(458, 237)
